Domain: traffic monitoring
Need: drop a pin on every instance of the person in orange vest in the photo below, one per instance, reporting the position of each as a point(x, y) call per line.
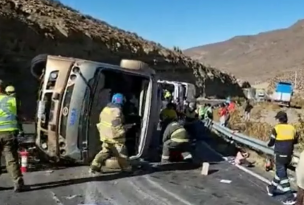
point(224, 114)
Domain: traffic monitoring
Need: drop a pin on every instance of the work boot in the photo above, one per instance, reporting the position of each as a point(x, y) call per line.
point(127, 169)
point(19, 185)
point(270, 190)
point(290, 200)
point(95, 170)
point(164, 161)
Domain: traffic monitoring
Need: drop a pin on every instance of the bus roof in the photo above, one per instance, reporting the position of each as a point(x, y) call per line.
point(130, 66)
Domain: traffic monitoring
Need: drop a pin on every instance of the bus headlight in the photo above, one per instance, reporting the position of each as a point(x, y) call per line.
point(54, 75)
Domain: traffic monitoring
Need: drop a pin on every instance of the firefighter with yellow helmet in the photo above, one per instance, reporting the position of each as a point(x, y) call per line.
point(112, 135)
point(8, 142)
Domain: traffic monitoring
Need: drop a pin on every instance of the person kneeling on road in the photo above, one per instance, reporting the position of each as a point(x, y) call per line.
point(112, 135)
point(175, 137)
point(283, 138)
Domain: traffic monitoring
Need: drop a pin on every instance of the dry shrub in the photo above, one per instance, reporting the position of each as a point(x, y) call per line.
point(216, 116)
point(258, 130)
point(268, 106)
point(297, 101)
point(235, 119)
point(300, 129)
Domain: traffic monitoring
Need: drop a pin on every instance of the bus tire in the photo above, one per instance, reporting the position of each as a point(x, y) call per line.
point(38, 63)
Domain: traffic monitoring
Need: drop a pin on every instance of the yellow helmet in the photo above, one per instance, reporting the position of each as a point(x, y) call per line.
point(10, 89)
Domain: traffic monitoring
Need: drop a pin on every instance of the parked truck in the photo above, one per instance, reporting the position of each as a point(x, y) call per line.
point(283, 93)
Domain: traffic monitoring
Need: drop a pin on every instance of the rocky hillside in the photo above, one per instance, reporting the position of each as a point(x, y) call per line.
point(258, 57)
point(32, 27)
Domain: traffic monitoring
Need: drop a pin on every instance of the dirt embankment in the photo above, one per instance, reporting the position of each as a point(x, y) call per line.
point(262, 121)
point(31, 27)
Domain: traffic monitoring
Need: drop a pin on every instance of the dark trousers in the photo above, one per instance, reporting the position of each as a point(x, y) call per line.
point(169, 145)
point(280, 180)
point(9, 148)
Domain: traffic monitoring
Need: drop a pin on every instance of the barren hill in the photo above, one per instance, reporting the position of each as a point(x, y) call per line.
point(257, 57)
point(32, 27)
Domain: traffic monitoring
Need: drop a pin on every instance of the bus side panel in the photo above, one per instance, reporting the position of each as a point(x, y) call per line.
point(150, 119)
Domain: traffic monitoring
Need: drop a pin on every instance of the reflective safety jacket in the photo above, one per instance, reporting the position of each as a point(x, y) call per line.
point(283, 138)
point(167, 94)
point(175, 132)
point(110, 124)
point(8, 113)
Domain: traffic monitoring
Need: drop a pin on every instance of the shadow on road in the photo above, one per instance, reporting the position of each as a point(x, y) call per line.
point(112, 176)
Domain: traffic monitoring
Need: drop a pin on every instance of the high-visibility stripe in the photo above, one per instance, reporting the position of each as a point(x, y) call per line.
point(165, 157)
point(179, 140)
point(176, 132)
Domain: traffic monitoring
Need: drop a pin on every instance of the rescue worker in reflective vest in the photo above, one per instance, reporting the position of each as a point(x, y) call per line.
point(175, 137)
point(8, 141)
point(112, 135)
point(283, 138)
point(10, 91)
point(167, 94)
point(190, 113)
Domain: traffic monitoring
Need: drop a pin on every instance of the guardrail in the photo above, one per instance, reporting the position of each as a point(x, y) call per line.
point(251, 142)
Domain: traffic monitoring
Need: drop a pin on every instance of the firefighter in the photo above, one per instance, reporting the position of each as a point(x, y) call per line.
point(175, 137)
point(283, 138)
point(8, 141)
point(112, 135)
point(166, 115)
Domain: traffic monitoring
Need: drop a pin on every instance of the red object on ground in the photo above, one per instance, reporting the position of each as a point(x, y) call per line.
point(24, 160)
point(176, 156)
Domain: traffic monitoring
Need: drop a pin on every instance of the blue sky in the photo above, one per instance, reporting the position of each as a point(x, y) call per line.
point(186, 23)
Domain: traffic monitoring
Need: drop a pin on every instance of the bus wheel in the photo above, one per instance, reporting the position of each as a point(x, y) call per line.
point(38, 64)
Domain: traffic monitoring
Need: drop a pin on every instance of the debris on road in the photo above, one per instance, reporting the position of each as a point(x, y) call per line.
point(225, 181)
point(73, 196)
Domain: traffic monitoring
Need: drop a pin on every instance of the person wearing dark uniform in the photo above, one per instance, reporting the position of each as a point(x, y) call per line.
point(112, 135)
point(8, 142)
point(283, 138)
point(175, 137)
point(190, 113)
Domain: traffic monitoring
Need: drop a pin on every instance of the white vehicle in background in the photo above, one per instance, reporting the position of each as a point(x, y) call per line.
point(180, 90)
point(189, 91)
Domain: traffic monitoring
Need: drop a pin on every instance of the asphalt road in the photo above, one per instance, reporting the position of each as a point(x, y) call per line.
point(178, 184)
